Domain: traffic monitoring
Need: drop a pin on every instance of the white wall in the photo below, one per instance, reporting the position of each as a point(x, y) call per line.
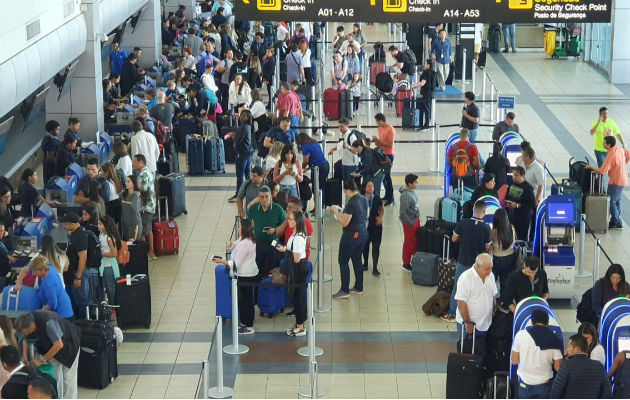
point(620, 57)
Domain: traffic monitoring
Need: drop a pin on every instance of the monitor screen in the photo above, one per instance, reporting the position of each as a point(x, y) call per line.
point(67, 79)
point(512, 158)
point(5, 126)
point(561, 213)
point(35, 108)
point(623, 343)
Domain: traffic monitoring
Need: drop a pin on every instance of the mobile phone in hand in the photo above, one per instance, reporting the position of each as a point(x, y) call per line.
point(274, 243)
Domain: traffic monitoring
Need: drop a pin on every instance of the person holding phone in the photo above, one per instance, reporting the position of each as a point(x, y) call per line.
point(266, 216)
point(243, 264)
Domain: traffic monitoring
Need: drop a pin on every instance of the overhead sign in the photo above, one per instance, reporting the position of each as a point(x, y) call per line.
point(506, 102)
point(426, 11)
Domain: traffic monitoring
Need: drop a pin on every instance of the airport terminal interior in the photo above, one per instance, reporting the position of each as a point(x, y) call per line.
point(378, 344)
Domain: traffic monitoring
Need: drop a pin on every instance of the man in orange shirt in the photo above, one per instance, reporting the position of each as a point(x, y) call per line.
point(615, 165)
point(385, 140)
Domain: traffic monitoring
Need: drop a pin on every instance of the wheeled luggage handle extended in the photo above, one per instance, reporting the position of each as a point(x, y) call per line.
point(166, 208)
point(601, 183)
point(461, 346)
point(507, 384)
point(446, 248)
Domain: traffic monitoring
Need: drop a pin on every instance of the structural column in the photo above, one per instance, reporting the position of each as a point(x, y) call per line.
point(148, 34)
point(620, 52)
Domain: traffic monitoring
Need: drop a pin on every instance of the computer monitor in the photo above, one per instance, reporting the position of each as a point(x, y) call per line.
point(623, 343)
point(34, 108)
point(150, 82)
point(512, 158)
point(561, 213)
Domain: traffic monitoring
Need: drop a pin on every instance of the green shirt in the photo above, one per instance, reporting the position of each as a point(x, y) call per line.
point(598, 136)
point(273, 217)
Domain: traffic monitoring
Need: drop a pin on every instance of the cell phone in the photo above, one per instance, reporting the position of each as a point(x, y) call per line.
point(274, 243)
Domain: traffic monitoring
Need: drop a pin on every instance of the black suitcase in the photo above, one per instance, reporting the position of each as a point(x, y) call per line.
point(411, 115)
point(498, 386)
point(345, 104)
point(464, 373)
point(194, 153)
point(184, 128)
point(173, 186)
point(332, 193)
point(228, 144)
point(98, 354)
point(168, 162)
point(431, 237)
point(134, 301)
point(138, 260)
point(494, 38)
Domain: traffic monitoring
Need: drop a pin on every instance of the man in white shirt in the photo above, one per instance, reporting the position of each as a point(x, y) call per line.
point(144, 143)
point(535, 176)
point(349, 159)
point(476, 292)
point(282, 33)
point(537, 351)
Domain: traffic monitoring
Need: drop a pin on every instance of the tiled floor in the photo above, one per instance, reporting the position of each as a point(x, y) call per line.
point(406, 354)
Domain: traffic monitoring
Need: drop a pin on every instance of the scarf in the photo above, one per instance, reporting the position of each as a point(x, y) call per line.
point(544, 337)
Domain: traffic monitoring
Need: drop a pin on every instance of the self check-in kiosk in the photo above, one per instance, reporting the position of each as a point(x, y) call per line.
point(614, 328)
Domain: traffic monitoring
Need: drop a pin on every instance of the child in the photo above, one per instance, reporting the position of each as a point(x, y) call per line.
point(355, 89)
point(171, 91)
point(110, 243)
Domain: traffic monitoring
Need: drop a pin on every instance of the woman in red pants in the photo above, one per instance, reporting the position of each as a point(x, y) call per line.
point(410, 218)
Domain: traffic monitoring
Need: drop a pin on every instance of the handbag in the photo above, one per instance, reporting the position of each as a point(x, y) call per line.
point(278, 278)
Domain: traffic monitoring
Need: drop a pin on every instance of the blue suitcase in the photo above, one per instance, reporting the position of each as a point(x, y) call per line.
point(448, 209)
point(213, 155)
point(194, 154)
point(24, 300)
point(223, 292)
point(270, 299)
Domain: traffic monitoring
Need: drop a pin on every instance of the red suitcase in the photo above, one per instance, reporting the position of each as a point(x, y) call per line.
point(376, 68)
point(165, 233)
point(331, 103)
point(400, 96)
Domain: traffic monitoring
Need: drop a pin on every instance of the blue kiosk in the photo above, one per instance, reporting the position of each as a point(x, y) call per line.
point(553, 243)
point(614, 328)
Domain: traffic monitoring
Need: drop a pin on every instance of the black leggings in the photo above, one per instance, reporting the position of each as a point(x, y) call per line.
point(375, 235)
point(246, 301)
point(299, 296)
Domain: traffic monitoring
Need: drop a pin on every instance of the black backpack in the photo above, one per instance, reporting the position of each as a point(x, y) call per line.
point(585, 312)
point(412, 56)
point(358, 134)
point(384, 82)
point(380, 157)
point(94, 254)
point(27, 374)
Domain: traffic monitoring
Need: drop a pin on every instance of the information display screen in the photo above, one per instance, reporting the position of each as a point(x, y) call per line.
point(426, 11)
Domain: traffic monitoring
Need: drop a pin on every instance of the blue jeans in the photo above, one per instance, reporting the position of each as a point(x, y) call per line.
point(243, 166)
point(387, 181)
point(378, 181)
point(347, 170)
point(526, 391)
point(600, 156)
point(295, 123)
point(458, 271)
point(90, 292)
point(109, 283)
point(614, 192)
point(291, 190)
point(509, 36)
point(351, 248)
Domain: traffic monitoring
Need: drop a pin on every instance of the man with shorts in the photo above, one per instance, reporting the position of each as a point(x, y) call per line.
point(146, 182)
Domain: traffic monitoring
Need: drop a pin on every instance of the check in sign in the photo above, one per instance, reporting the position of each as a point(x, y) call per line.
point(506, 102)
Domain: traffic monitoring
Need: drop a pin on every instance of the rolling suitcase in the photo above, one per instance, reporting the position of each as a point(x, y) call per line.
point(331, 103)
point(138, 259)
point(498, 387)
point(98, 353)
point(333, 192)
point(431, 237)
point(194, 154)
point(223, 291)
point(214, 155)
point(376, 68)
point(24, 300)
point(446, 268)
point(229, 149)
point(165, 233)
point(424, 269)
point(271, 299)
point(494, 38)
point(411, 115)
point(173, 187)
point(449, 210)
point(597, 207)
point(345, 104)
point(401, 95)
point(184, 128)
point(464, 373)
point(135, 302)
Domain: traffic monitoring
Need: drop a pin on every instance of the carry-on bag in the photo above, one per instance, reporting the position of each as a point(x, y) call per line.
point(376, 68)
point(165, 233)
point(446, 268)
point(431, 237)
point(498, 386)
point(134, 300)
point(173, 187)
point(464, 372)
point(597, 207)
point(331, 103)
point(24, 300)
point(401, 95)
point(194, 155)
point(424, 269)
point(98, 353)
point(345, 104)
point(214, 155)
point(410, 115)
point(333, 191)
point(229, 148)
point(223, 295)
point(138, 259)
point(271, 299)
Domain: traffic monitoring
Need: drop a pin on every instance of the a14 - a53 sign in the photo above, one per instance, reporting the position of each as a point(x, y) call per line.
point(426, 11)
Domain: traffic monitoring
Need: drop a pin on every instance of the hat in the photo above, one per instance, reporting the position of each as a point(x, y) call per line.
point(70, 217)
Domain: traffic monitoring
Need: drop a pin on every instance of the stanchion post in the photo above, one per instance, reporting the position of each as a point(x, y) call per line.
point(311, 349)
point(598, 253)
point(581, 273)
point(498, 116)
point(389, 31)
point(312, 390)
point(277, 77)
point(433, 110)
point(473, 73)
point(491, 101)
point(219, 391)
point(381, 103)
point(235, 347)
point(370, 105)
point(325, 40)
point(206, 378)
point(483, 83)
point(464, 70)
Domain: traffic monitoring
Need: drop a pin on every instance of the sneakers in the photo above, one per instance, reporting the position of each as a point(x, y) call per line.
point(232, 199)
point(506, 50)
point(375, 272)
point(612, 225)
point(341, 295)
point(448, 318)
point(291, 313)
point(356, 291)
point(245, 330)
point(407, 267)
point(388, 203)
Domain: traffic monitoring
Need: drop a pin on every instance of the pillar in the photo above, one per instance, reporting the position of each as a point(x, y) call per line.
point(620, 52)
point(148, 34)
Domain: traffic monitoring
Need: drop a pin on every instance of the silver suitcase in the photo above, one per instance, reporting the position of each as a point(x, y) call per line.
point(597, 207)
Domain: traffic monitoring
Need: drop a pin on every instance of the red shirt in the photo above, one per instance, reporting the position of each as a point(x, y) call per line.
point(309, 232)
point(386, 134)
point(473, 151)
point(290, 102)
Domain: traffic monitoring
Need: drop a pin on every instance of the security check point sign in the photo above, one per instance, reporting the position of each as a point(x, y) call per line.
point(425, 11)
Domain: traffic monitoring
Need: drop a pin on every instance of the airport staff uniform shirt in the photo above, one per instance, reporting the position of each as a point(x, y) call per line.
point(117, 58)
point(535, 366)
point(145, 143)
point(479, 296)
point(442, 50)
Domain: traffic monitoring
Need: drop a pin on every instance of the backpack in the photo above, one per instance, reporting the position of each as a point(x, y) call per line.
point(461, 162)
point(412, 56)
point(161, 131)
point(27, 374)
point(94, 254)
point(384, 163)
point(585, 312)
point(123, 253)
point(384, 82)
point(621, 388)
point(358, 134)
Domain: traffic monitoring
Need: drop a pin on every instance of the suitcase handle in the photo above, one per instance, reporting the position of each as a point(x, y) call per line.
point(601, 183)
point(446, 247)
point(13, 295)
point(507, 386)
point(158, 208)
point(472, 350)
